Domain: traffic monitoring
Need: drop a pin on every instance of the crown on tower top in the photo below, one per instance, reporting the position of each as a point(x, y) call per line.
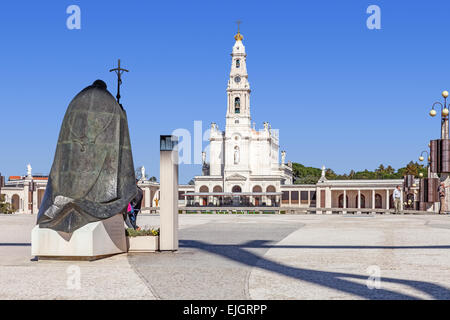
point(238, 36)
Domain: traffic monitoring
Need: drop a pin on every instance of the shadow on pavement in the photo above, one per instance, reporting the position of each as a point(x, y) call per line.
point(266, 244)
point(333, 280)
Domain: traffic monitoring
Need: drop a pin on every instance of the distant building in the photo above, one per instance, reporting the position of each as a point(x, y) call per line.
point(25, 193)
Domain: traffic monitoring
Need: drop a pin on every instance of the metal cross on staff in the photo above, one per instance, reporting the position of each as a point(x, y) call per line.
point(119, 72)
point(238, 23)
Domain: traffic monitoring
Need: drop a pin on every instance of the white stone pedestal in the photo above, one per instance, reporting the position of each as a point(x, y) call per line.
point(168, 186)
point(93, 241)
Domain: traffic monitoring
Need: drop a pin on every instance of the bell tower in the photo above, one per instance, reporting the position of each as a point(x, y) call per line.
point(238, 89)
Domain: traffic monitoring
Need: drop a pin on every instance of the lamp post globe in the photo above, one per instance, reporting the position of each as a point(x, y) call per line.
point(432, 112)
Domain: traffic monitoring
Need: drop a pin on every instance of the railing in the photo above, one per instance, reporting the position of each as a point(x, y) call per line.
point(296, 210)
point(283, 210)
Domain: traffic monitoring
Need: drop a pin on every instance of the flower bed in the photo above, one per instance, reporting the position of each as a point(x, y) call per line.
point(144, 240)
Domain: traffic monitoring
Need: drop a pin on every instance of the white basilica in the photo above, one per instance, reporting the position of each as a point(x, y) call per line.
point(243, 161)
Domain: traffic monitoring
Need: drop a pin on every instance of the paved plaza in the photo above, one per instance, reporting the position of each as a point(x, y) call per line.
point(248, 257)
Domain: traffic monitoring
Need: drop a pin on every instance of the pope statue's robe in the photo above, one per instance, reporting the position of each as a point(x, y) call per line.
point(92, 176)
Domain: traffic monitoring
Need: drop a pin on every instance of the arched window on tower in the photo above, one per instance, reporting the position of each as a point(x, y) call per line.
point(237, 105)
point(238, 63)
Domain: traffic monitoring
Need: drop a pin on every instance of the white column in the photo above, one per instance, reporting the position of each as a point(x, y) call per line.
point(328, 199)
point(387, 199)
point(359, 200)
point(318, 200)
point(35, 200)
point(168, 239)
point(26, 199)
point(345, 202)
point(401, 200)
point(373, 200)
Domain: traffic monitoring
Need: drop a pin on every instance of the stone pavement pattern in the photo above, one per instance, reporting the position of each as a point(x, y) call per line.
point(249, 257)
point(329, 259)
point(20, 278)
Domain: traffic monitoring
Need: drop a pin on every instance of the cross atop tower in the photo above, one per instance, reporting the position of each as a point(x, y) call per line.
point(119, 72)
point(238, 35)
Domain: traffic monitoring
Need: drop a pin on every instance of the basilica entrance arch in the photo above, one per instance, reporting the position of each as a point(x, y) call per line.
point(236, 189)
point(236, 198)
point(271, 199)
point(204, 199)
point(217, 199)
point(15, 202)
point(257, 199)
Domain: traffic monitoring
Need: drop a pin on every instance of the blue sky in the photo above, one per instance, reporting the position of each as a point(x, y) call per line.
point(342, 95)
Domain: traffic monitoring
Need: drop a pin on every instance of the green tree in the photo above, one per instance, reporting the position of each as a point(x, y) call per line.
point(306, 180)
point(411, 168)
point(380, 169)
point(389, 170)
point(330, 174)
point(305, 175)
point(352, 174)
point(310, 175)
point(5, 207)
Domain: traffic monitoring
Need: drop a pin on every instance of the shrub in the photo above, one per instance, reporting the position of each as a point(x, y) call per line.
point(5, 207)
point(130, 232)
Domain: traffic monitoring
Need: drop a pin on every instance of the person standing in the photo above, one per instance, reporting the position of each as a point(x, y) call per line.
point(442, 208)
point(136, 203)
point(397, 200)
point(134, 207)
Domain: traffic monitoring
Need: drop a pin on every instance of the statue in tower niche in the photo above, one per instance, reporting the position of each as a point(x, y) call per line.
point(236, 155)
point(92, 177)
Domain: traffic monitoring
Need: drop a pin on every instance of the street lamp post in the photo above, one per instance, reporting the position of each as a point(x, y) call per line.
point(439, 157)
point(444, 115)
point(421, 158)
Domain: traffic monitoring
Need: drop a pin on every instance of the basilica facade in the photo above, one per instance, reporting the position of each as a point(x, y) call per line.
point(243, 160)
